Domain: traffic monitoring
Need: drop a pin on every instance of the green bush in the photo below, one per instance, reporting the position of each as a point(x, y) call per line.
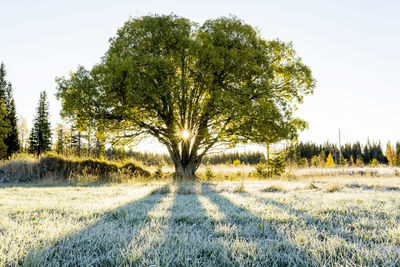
point(271, 168)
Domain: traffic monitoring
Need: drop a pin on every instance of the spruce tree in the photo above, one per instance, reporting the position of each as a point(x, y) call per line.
point(4, 124)
point(10, 136)
point(40, 137)
point(12, 139)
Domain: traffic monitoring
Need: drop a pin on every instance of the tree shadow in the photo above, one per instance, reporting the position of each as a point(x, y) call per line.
point(352, 242)
point(329, 226)
point(188, 238)
point(272, 244)
point(100, 243)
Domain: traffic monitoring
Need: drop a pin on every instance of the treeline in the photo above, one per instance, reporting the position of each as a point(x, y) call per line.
point(155, 159)
point(312, 154)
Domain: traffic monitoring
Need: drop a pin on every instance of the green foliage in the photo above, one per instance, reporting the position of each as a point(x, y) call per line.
point(209, 174)
point(40, 137)
point(273, 167)
point(4, 129)
point(165, 75)
point(374, 163)
point(12, 139)
point(350, 153)
point(9, 140)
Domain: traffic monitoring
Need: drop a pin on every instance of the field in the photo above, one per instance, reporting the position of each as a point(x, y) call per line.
point(326, 221)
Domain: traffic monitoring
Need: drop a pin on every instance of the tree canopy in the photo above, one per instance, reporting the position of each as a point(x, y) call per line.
point(191, 86)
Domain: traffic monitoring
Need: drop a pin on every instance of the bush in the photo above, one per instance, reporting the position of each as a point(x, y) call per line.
point(209, 174)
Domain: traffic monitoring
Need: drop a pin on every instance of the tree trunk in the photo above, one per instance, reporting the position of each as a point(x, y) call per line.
point(185, 171)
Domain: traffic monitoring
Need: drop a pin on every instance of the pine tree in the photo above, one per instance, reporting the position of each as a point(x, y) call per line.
point(12, 139)
point(4, 128)
point(4, 124)
point(40, 137)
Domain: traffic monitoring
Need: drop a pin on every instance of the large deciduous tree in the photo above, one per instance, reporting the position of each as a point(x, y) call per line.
point(192, 87)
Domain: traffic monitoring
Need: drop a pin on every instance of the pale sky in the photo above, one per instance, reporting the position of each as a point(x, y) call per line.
point(352, 47)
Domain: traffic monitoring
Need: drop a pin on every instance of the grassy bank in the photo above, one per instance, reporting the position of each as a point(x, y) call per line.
point(26, 168)
point(302, 222)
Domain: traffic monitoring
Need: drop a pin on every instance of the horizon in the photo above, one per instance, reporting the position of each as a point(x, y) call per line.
point(350, 48)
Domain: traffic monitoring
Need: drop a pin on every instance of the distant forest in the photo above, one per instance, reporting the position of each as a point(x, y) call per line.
point(301, 154)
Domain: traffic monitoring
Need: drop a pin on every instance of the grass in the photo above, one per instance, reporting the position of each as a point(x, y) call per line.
point(203, 224)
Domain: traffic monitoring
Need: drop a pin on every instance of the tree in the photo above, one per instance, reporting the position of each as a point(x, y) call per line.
point(23, 132)
point(40, 137)
point(390, 154)
point(62, 138)
point(4, 129)
point(329, 161)
point(4, 124)
point(192, 87)
point(12, 140)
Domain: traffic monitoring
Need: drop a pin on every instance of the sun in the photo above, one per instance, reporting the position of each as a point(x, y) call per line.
point(185, 134)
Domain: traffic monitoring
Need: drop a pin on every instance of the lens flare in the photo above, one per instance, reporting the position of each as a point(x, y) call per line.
point(185, 134)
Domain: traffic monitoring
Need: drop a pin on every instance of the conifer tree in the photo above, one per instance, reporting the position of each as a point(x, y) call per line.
point(40, 137)
point(3, 130)
point(4, 124)
point(12, 139)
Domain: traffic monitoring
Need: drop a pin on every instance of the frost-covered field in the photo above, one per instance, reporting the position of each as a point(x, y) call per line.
point(354, 222)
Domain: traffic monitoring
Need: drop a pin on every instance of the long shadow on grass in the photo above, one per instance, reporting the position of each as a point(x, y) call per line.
point(330, 225)
point(100, 243)
point(272, 246)
point(333, 226)
point(188, 238)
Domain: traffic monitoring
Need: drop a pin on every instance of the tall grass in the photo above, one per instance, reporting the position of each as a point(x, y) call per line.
point(26, 168)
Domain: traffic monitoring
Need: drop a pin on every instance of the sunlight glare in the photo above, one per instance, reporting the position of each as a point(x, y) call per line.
point(185, 134)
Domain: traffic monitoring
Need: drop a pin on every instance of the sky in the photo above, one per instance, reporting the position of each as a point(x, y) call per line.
point(350, 46)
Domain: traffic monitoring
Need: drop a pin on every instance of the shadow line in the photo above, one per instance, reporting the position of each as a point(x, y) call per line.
point(100, 243)
point(274, 246)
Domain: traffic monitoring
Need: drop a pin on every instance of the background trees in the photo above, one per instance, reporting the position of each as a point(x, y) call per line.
point(40, 136)
point(192, 87)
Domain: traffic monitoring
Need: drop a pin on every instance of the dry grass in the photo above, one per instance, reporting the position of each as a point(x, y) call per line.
point(203, 224)
point(55, 167)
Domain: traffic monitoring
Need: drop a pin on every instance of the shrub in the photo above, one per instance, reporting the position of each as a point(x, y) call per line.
point(271, 168)
point(209, 174)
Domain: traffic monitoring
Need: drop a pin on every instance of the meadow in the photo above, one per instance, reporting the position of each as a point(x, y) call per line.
point(320, 221)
